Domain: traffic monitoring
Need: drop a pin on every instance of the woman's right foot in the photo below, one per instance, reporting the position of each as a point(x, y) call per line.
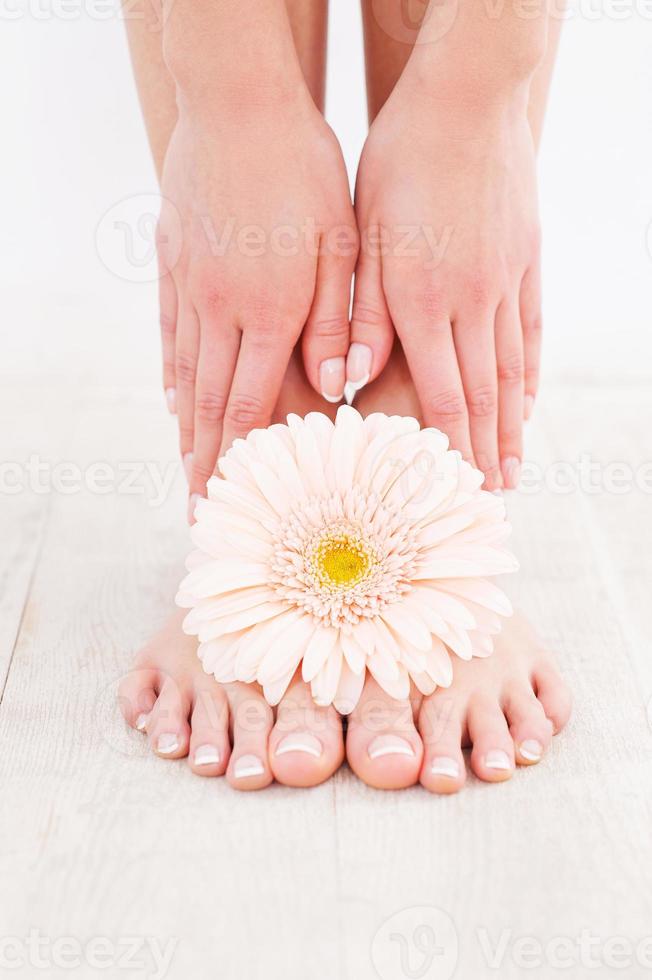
point(227, 729)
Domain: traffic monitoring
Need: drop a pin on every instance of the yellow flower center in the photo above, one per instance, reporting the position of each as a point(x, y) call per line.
point(342, 560)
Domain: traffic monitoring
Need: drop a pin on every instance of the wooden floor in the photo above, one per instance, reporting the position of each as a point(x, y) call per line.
point(97, 838)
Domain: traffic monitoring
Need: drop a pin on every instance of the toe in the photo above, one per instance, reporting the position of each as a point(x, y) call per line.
point(492, 758)
point(552, 692)
point(440, 727)
point(252, 720)
point(306, 745)
point(137, 696)
point(531, 731)
point(167, 727)
point(382, 745)
point(209, 741)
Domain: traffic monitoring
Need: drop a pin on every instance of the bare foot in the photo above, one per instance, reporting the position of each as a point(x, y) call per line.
point(507, 706)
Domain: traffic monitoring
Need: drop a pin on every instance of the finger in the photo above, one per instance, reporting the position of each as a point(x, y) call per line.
point(167, 294)
point(325, 339)
point(430, 353)
point(530, 308)
point(509, 365)
point(218, 355)
point(187, 352)
point(476, 353)
point(259, 374)
point(372, 329)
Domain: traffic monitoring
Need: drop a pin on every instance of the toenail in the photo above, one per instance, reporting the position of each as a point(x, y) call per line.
point(206, 755)
point(497, 759)
point(442, 766)
point(389, 745)
point(248, 765)
point(141, 722)
point(300, 742)
point(167, 743)
point(531, 750)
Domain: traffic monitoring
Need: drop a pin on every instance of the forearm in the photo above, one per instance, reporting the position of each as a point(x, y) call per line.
point(233, 54)
point(475, 53)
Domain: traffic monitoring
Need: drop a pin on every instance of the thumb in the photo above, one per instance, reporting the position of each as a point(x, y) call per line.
point(325, 339)
point(372, 330)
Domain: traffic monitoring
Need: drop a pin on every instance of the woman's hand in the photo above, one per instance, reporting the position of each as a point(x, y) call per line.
point(257, 245)
point(446, 203)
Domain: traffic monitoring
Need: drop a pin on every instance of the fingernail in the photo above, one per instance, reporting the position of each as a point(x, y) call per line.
point(300, 742)
point(192, 504)
point(389, 745)
point(511, 468)
point(141, 722)
point(442, 766)
point(167, 743)
point(187, 465)
point(528, 405)
point(332, 375)
point(531, 750)
point(248, 765)
point(171, 399)
point(497, 759)
point(358, 370)
point(206, 755)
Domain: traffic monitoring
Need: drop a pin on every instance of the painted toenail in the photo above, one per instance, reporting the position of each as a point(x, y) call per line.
point(141, 722)
point(300, 742)
point(441, 766)
point(167, 743)
point(248, 765)
point(389, 745)
point(206, 755)
point(531, 750)
point(497, 759)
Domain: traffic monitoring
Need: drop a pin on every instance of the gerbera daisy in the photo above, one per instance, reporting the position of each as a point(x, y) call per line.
point(363, 544)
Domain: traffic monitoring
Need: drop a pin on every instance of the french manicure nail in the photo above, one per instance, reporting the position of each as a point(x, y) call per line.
point(300, 742)
point(141, 722)
point(192, 504)
point(497, 759)
point(248, 765)
point(187, 465)
point(332, 375)
point(443, 766)
point(389, 745)
point(528, 405)
point(206, 755)
point(358, 370)
point(531, 750)
point(171, 399)
point(511, 468)
point(167, 743)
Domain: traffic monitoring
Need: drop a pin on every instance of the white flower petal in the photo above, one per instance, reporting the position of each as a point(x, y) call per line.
point(286, 650)
point(406, 624)
point(397, 687)
point(324, 685)
point(216, 578)
point(349, 689)
point(355, 656)
point(257, 642)
point(446, 606)
point(318, 651)
point(213, 628)
point(481, 592)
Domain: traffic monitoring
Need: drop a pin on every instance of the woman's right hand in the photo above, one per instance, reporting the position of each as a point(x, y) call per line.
point(257, 245)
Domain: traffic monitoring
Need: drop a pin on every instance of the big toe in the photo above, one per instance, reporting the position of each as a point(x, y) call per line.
point(306, 745)
point(383, 747)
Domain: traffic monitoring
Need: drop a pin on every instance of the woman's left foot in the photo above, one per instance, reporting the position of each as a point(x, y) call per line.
point(506, 708)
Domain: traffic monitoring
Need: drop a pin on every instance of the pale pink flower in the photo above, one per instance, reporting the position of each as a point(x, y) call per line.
point(363, 544)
